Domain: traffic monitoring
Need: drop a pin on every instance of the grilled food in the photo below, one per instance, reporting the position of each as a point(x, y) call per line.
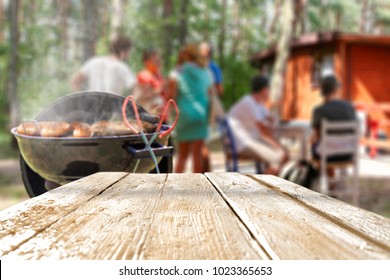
point(44, 129)
point(30, 128)
point(81, 130)
point(55, 129)
point(109, 128)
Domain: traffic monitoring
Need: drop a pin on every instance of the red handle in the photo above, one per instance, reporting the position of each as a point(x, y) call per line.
point(136, 113)
point(170, 101)
point(124, 114)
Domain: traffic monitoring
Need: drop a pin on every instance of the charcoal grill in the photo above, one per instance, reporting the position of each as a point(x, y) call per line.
point(48, 162)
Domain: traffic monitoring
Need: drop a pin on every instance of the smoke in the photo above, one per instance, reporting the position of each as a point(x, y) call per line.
point(91, 107)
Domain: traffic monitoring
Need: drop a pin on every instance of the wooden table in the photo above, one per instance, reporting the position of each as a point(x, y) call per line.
point(190, 216)
point(297, 129)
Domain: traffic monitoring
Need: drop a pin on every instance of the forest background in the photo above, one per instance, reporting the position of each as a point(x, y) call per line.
point(42, 42)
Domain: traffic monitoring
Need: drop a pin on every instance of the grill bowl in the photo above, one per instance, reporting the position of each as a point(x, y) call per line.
point(53, 161)
point(64, 159)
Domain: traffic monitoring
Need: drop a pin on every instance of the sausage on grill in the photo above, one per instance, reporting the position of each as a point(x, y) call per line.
point(81, 130)
point(30, 128)
point(54, 129)
point(109, 128)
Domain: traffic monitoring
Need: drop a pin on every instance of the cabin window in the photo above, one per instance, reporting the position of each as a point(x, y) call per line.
point(322, 66)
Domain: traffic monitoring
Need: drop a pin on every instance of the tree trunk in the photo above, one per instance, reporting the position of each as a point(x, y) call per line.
point(183, 22)
point(168, 32)
point(299, 20)
point(222, 34)
point(283, 50)
point(236, 28)
point(322, 15)
point(117, 18)
point(272, 29)
point(105, 22)
point(363, 16)
point(339, 19)
point(32, 12)
point(21, 12)
point(12, 81)
point(90, 27)
point(64, 11)
point(2, 22)
point(302, 21)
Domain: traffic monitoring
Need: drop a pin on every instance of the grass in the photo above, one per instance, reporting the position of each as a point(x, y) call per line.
point(12, 190)
point(11, 195)
point(6, 148)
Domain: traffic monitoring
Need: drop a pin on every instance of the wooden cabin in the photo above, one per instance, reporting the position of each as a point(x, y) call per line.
point(361, 63)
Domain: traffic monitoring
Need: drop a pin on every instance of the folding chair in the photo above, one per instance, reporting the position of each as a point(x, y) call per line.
point(232, 158)
point(339, 138)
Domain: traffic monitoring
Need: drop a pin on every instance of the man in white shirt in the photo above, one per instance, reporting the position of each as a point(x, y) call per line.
point(252, 127)
point(107, 73)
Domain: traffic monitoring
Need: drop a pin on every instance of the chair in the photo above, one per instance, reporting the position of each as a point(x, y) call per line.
point(339, 138)
point(232, 158)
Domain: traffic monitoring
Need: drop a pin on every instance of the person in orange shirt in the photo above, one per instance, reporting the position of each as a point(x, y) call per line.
point(150, 84)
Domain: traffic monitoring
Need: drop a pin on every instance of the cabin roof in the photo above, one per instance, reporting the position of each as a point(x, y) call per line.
point(316, 40)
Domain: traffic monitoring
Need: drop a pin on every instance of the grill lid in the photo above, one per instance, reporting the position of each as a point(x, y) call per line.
point(91, 107)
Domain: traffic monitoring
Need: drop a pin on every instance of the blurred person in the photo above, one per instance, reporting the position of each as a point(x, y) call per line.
point(216, 108)
point(207, 52)
point(332, 109)
point(174, 74)
point(190, 86)
point(252, 127)
point(150, 86)
point(107, 73)
point(181, 59)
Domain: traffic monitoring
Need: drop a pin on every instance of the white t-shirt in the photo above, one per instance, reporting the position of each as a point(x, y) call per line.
point(108, 74)
point(243, 117)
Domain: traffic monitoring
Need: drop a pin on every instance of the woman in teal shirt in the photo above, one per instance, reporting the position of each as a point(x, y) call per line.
point(193, 82)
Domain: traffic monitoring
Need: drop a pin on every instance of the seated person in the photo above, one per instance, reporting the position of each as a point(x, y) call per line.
point(252, 127)
point(332, 109)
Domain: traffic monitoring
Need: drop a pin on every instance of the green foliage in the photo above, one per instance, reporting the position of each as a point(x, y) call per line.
point(340, 15)
point(235, 87)
point(45, 70)
point(6, 150)
point(3, 69)
point(383, 16)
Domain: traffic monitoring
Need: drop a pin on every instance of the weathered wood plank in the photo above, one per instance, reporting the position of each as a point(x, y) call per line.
point(192, 221)
point(147, 217)
point(23, 221)
point(289, 227)
point(112, 225)
point(363, 222)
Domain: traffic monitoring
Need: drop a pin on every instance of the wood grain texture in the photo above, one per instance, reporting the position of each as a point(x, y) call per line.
point(147, 217)
point(24, 221)
point(192, 221)
point(112, 225)
point(189, 216)
point(290, 228)
point(370, 227)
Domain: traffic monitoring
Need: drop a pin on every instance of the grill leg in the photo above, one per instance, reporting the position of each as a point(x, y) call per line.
point(165, 165)
point(34, 184)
